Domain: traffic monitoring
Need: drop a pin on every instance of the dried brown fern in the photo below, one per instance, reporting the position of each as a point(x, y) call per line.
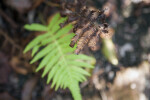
point(89, 24)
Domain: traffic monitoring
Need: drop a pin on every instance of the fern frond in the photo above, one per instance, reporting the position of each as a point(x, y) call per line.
point(61, 65)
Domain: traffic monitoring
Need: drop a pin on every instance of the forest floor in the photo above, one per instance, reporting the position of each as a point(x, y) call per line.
point(130, 80)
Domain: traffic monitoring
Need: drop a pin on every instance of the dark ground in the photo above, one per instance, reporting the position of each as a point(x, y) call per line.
point(130, 80)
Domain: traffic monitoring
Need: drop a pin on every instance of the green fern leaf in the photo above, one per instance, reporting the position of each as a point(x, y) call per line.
point(57, 16)
point(83, 57)
point(35, 27)
point(35, 49)
point(42, 53)
point(77, 63)
point(61, 65)
point(34, 42)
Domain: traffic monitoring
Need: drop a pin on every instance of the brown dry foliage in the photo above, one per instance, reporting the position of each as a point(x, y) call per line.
point(88, 23)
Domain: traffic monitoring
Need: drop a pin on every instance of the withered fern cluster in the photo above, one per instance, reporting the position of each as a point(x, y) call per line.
point(88, 23)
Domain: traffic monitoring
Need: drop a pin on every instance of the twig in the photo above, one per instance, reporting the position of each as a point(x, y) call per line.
point(10, 41)
point(49, 3)
point(8, 19)
point(36, 3)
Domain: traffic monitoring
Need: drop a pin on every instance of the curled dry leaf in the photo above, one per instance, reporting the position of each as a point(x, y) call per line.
point(19, 66)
